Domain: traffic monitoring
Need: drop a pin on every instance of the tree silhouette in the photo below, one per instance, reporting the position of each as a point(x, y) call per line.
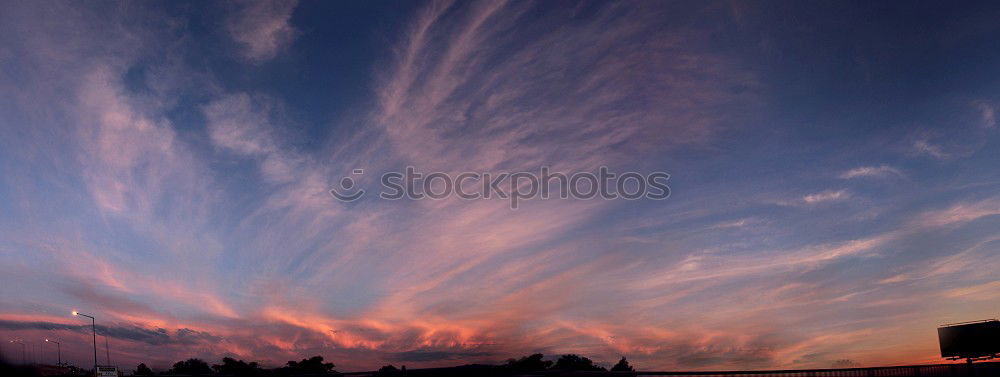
point(312, 365)
point(387, 370)
point(237, 367)
point(528, 363)
point(622, 366)
point(191, 366)
point(573, 362)
point(142, 370)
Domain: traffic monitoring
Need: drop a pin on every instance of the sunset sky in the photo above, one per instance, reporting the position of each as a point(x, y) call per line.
point(165, 167)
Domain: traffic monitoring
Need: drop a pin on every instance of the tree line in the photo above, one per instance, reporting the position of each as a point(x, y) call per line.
point(316, 366)
point(234, 367)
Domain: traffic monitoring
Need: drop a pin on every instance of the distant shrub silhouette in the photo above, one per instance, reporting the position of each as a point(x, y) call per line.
point(844, 363)
point(142, 370)
point(191, 366)
point(573, 362)
point(528, 363)
point(622, 366)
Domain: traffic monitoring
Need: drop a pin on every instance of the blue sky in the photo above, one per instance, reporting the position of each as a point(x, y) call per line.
point(165, 166)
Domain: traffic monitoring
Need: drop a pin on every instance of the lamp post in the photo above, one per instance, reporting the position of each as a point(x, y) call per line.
point(93, 326)
point(22, 349)
point(58, 351)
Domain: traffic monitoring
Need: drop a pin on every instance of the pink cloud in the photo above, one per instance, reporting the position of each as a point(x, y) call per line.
point(262, 29)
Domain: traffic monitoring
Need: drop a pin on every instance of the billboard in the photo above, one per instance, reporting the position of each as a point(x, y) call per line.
point(970, 340)
point(107, 371)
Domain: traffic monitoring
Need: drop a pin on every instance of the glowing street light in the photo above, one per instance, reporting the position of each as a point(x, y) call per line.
point(58, 351)
point(22, 349)
point(93, 326)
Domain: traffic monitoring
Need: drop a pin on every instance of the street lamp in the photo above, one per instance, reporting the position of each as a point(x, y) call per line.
point(93, 326)
point(22, 349)
point(58, 351)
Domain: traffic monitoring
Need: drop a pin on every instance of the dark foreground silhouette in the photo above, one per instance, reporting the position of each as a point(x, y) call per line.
point(533, 365)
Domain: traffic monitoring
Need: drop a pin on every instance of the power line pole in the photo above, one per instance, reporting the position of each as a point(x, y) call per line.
point(107, 349)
